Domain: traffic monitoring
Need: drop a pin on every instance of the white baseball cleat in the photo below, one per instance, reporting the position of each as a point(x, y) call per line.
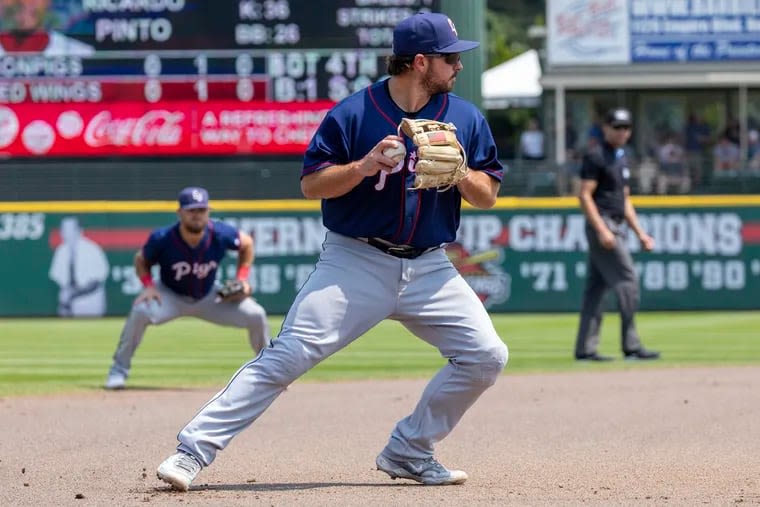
point(427, 471)
point(179, 470)
point(115, 381)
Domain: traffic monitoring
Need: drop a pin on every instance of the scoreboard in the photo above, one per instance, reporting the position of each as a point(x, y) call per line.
point(184, 77)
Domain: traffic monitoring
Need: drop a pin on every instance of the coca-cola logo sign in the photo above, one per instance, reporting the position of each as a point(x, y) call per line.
point(168, 128)
point(154, 128)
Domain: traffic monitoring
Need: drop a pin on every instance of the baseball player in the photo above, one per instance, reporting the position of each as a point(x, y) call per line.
point(604, 197)
point(382, 258)
point(188, 254)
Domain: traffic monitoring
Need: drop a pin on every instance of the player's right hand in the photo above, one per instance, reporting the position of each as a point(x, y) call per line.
point(148, 294)
point(607, 239)
point(374, 161)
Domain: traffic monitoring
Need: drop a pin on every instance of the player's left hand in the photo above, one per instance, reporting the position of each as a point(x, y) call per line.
point(233, 291)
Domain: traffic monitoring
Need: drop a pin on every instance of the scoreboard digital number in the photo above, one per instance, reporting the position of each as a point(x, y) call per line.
point(184, 77)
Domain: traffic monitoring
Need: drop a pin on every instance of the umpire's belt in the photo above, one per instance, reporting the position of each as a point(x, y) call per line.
point(400, 251)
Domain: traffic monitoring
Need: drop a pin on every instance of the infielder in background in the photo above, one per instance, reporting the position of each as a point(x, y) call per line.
point(605, 200)
point(382, 258)
point(188, 253)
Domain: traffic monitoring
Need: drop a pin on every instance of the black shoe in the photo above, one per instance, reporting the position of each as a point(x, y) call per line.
point(642, 355)
point(593, 357)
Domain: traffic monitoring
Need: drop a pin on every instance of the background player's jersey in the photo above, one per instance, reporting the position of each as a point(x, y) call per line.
point(185, 270)
point(382, 205)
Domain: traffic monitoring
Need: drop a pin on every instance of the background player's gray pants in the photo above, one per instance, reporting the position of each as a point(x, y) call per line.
point(246, 314)
point(354, 287)
point(608, 268)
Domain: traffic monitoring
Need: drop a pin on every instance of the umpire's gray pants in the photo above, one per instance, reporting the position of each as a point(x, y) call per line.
point(608, 268)
point(245, 314)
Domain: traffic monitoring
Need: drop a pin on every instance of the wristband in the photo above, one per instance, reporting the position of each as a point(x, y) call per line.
point(147, 280)
point(242, 272)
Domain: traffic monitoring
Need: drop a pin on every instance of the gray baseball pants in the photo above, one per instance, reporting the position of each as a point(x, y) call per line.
point(245, 314)
point(608, 269)
point(353, 288)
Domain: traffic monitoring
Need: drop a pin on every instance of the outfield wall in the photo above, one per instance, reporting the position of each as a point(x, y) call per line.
point(523, 255)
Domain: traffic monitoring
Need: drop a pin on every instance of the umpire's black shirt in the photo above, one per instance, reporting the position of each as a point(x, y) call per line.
point(609, 167)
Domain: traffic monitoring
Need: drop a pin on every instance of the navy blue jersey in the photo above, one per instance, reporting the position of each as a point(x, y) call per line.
point(608, 166)
point(382, 205)
point(185, 270)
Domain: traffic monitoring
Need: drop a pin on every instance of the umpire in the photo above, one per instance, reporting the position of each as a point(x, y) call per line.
point(605, 200)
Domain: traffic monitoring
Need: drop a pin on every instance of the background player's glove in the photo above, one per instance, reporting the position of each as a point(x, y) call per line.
point(441, 160)
point(232, 291)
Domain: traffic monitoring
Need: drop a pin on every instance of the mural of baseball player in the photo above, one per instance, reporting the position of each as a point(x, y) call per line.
point(24, 25)
point(188, 254)
point(80, 268)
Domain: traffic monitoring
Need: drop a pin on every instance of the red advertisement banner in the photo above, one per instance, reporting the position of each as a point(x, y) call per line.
point(164, 128)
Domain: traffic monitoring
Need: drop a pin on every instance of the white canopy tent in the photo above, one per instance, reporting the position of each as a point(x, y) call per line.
point(514, 83)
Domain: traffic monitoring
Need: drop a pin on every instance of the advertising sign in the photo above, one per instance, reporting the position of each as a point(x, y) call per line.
point(516, 259)
point(171, 128)
point(590, 32)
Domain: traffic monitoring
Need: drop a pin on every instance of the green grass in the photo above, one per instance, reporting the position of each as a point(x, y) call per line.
point(39, 356)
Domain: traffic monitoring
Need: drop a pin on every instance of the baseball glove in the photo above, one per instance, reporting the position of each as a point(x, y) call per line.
point(231, 291)
point(441, 160)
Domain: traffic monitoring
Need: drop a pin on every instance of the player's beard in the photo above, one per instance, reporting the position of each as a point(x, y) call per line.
point(194, 228)
point(435, 86)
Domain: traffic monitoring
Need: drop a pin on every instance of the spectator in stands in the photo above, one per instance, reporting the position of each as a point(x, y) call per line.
point(753, 150)
point(595, 135)
point(571, 138)
point(571, 172)
point(673, 170)
point(697, 134)
point(733, 131)
point(532, 142)
point(726, 157)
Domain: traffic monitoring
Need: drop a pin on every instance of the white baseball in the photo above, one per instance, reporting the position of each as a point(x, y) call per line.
point(396, 152)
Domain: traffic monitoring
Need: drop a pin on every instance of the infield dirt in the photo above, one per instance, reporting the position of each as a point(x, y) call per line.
point(636, 437)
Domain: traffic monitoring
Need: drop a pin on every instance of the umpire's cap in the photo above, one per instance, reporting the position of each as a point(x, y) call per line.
point(193, 198)
point(428, 33)
point(618, 117)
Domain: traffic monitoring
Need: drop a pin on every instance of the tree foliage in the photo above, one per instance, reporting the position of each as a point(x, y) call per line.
point(508, 22)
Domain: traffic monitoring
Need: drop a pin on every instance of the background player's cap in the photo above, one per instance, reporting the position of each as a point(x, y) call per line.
point(428, 33)
point(193, 197)
point(618, 117)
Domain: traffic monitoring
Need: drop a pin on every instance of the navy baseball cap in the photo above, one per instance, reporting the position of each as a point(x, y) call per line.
point(193, 198)
point(618, 117)
point(428, 33)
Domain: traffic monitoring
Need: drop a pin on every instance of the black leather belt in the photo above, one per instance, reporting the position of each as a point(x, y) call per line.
point(400, 251)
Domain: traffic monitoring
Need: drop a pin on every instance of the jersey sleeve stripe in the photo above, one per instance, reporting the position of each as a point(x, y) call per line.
point(494, 173)
point(316, 167)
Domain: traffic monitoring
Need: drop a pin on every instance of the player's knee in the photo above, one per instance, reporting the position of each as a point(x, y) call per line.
point(495, 362)
point(142, 313)
point(489, 363)
point(256, 319)
point(255, 315)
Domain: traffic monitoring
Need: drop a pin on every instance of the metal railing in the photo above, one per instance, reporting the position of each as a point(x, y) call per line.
point(237, 178)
